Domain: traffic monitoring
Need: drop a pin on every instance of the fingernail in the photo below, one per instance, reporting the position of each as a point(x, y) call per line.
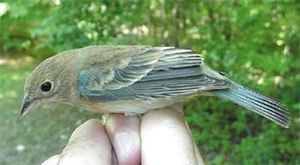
point(127, 143)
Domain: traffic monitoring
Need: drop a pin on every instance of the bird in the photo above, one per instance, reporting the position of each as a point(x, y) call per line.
point(134, 79)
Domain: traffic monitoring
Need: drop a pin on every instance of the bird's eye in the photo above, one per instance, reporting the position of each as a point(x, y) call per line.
point(46, 86)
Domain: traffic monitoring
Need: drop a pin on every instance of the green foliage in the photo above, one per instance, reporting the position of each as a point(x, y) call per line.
point(255, 42)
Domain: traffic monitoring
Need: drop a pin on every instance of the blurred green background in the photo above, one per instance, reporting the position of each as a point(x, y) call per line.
point(257, 43)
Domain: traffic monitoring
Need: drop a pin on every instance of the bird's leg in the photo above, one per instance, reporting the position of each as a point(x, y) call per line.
point(104, 118)
point(132, 114)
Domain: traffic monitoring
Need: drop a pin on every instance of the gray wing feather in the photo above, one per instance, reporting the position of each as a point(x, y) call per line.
point(158, 72)
point(114, 75)
point(177, 58)
point(139, 66)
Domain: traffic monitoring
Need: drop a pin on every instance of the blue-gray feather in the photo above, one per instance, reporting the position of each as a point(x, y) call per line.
point(156, 73)
point(257, 103)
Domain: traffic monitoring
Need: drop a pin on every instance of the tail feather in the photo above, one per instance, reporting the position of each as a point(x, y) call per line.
point(257, 103)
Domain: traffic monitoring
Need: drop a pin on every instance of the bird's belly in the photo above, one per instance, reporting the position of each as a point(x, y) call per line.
point(130, 106)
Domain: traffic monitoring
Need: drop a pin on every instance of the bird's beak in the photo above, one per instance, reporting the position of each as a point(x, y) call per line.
point(27, 105)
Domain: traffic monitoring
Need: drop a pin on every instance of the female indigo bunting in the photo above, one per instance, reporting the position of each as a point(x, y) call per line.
point(135, 79)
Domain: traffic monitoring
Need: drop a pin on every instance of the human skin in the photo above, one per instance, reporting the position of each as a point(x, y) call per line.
point(159, 137)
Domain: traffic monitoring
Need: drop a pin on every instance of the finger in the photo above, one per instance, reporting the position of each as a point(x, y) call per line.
point(114, 160)
point(165, 139)
point(52, 160)
point(88, 145)
point(198, 155)
point(124, 135)
point(196, 150)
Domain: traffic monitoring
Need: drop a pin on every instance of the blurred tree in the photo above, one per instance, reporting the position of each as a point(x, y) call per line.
point(255, 42)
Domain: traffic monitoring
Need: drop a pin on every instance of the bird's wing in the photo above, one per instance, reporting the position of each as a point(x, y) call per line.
point(156, 72)
point(115, 67)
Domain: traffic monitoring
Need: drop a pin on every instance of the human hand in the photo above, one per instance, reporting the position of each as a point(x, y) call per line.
point(159, 137)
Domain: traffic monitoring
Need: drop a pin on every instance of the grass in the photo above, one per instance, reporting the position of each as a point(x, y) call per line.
point(43, 133)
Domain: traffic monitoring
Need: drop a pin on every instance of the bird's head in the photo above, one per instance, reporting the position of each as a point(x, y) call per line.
point(47, 83)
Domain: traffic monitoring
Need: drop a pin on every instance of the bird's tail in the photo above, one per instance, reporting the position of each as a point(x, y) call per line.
point(257, 103)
